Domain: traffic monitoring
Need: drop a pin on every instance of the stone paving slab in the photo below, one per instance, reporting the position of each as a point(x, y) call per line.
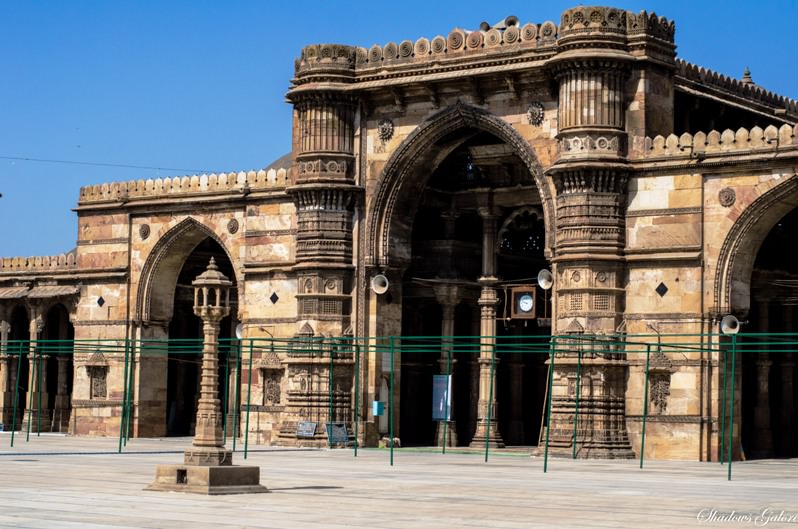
point(66, 482)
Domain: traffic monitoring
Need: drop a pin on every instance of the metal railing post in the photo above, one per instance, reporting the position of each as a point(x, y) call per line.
point(249, 395)
point(390, 397)
point(730, 451)
point(645, 406)
point(548, 404)
point(578, 386)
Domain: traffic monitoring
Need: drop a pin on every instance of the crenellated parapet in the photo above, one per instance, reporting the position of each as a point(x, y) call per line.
point(745, 90)
point(701, 143)
point(508, 35)
point(64, 261)
point(244, 182)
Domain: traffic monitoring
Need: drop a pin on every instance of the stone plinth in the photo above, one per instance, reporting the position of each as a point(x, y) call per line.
point(212, 480)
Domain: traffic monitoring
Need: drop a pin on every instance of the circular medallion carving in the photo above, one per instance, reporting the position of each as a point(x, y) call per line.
point(511, 35)
point(601, 277)
point(529, 32)
point(438, 45)
point(474, 39)
point(232, 226)
point(390, 51)
point(330, 284)
point(727, 197)
point(576, 276)
point(144, 231)
point(535, 113)
point(385, 129)
point(422, 47)
point(375, 54)
point(405, 49)
point(456, 40)
point(493, 38)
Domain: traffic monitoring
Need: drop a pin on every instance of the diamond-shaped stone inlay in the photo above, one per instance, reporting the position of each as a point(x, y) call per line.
point(661, 289)
point(101, 301)
point(274, 297)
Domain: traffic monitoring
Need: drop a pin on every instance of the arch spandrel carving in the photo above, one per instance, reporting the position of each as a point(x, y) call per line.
point(155, 295)
point(400, 180)
point(741, 245)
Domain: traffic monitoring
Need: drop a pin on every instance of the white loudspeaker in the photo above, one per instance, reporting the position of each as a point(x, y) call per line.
point(380, 284)
point(545, 279)
point(239, 331)
point(729, 325)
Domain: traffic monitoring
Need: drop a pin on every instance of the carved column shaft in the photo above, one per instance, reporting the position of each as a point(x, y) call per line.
point(487, 423)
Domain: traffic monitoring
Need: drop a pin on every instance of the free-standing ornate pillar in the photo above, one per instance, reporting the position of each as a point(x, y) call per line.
point(763, 434)
point(487, 422)
point(208, 465)
point(447, 298)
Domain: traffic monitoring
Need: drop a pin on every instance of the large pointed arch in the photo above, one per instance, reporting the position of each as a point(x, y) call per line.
point(741, 246)
point(155, 298)
point(401, 180)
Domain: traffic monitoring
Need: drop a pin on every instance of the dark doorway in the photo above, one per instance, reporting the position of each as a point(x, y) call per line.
point(768, 364)
point(185, 339)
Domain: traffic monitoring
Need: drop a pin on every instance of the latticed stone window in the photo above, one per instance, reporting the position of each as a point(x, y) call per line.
point(601, 302)
point(308, 306)
point(271, 387)
point(576, 302)
point(329, 306)
point(98, 376)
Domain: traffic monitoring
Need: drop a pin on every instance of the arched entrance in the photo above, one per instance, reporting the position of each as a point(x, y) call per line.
point(769, 392)
point(18, 336)
point(169, 375)
point(757, 280)
point(185, 339)
point(460, 211)
point(58, 334)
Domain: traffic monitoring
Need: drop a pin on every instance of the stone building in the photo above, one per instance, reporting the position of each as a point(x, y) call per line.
point(660, 195)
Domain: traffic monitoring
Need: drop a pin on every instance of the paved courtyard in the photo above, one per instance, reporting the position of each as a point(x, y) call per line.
point(61, 482)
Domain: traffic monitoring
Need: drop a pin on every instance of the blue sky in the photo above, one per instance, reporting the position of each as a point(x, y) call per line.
point(199, 86)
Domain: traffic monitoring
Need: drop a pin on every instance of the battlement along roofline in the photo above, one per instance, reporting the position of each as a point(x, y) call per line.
point(242, 182)
point(342, 62)
point(64, 261)
point(700, 78)
point(701, 144)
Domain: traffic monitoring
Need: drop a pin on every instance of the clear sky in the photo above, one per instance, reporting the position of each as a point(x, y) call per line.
point(199, 86)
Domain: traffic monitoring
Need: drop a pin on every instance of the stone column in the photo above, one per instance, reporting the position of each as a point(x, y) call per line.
point(232, 380)
point(487, 331)
point(6, 396)
point(447, 298)
point(62, 405)
point(763, 434)
point(37, 383)
point(590, 176)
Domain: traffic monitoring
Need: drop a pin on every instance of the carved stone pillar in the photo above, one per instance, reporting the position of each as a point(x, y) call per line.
point(590, 177)
point(208, 465)
point(447, 296)
point(487, 421)
point(208, 445)
point(37, 379)
point(326, 196)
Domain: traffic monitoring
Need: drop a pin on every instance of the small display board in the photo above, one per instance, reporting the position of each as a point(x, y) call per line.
point(305, 429)
point(441, 397)
point(336, 432)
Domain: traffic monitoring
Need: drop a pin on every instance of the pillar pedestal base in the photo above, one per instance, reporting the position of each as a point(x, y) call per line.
point(210, 480)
